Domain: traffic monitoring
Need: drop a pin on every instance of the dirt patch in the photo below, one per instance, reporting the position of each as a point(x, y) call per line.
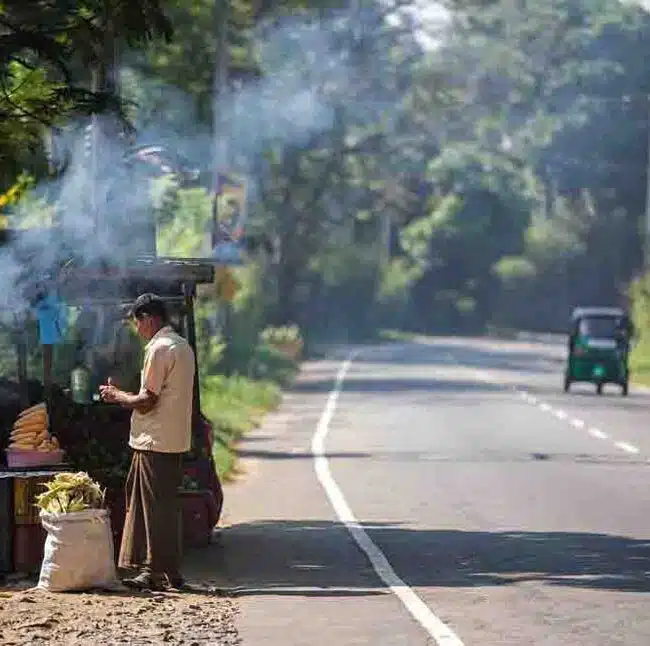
point(198, 617)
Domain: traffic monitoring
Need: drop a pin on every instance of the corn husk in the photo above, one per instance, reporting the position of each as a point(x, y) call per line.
point(70, 492)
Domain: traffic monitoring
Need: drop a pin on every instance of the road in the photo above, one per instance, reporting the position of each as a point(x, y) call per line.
point(515, 514)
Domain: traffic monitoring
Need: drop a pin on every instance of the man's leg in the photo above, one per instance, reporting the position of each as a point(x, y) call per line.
point(166, 517)
point(161, 475)
point(133, 547)
point(146, 483)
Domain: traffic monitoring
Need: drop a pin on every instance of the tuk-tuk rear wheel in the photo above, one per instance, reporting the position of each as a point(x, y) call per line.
point(567, 384)
point(625, 389)
point(599, 388)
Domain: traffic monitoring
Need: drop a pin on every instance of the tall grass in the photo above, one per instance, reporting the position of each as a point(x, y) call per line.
point(235, 406)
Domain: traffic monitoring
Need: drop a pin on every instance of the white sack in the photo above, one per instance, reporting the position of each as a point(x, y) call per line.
point(78, 552)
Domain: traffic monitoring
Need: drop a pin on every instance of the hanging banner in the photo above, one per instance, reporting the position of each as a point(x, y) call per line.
point(229, 213)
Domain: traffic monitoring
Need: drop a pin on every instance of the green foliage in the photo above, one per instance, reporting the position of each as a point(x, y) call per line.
point(234, 405)
point(396, 279)
point(247, 319)
point(418, 234)
point(209, 340)
point(44, 45)
point(509, 160)
point(183, 221)
point(281, 335)
point(512, 269)
point(271, 364)
point(639, 295)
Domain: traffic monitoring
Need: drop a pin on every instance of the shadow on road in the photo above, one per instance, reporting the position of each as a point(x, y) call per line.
point(297, 455)
point(319, 558)
point(397, 385)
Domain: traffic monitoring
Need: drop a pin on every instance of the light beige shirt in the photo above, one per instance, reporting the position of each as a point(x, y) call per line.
point(168, 372)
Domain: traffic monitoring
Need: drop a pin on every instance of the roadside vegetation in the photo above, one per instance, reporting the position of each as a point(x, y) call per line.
point(640, 359)
point(240, 388)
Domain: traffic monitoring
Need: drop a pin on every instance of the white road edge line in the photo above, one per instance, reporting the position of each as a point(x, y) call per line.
point(624, 446)
point(594, 432)
point(434, 626)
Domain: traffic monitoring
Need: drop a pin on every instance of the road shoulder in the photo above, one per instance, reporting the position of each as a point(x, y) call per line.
point(296, 573)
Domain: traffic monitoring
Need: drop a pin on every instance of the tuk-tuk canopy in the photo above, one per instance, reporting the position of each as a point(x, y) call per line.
point(604, 312)
point(601, 322)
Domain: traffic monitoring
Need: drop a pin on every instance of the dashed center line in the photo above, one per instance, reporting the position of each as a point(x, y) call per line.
point(545, 407)
point(574, 421)
point(624, 446)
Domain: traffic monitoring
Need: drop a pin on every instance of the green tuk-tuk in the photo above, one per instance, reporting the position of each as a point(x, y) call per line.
point(599, 346)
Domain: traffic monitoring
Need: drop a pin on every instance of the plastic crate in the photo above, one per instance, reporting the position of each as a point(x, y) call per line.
point(25, 459)
point(198, 517)
point(25, 491)
point(28, 545)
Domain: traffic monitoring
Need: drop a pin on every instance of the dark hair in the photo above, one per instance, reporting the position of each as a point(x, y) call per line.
point(151, 305)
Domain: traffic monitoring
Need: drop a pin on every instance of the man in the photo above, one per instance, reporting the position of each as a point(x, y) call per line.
point(160, 435)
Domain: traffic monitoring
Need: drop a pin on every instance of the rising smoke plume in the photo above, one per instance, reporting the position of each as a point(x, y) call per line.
point(103, 205)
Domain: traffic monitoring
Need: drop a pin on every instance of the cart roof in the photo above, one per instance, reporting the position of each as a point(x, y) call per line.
point(169, 278)
point(187, 270)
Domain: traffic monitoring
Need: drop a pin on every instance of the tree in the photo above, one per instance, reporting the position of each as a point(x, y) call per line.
point(46, 49)
point(556, 90)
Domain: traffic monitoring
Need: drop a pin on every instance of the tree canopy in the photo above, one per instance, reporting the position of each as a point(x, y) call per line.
point(493, 172)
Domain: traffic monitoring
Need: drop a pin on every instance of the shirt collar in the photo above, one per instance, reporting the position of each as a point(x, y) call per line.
point(161, 332)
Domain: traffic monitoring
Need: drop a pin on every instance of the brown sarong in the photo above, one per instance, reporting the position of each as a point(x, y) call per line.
point(151, 539)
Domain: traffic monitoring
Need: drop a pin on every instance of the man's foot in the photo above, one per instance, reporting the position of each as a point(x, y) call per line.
point(175, 583)
point(144, 581)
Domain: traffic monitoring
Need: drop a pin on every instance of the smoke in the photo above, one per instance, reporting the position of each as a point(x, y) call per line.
point(644, 4)
point(101, 200)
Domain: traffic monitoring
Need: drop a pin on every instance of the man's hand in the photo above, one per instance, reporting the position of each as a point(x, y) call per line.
point(143, 402)
point(110, 393)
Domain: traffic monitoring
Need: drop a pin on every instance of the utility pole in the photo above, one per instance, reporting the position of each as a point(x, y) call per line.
point(104, 78)
point(221, 147)
point(220, 87)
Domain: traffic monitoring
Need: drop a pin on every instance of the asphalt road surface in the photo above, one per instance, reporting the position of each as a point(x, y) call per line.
point(500, 510)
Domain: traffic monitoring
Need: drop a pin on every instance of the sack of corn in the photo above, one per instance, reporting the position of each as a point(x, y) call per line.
point(78, 552)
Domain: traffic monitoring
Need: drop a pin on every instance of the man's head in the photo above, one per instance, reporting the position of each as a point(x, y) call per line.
point(149, 313)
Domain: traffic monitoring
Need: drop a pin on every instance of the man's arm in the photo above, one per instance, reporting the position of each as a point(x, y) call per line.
point(154, 372)
point(143, 402)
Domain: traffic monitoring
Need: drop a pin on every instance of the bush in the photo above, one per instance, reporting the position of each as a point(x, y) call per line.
point(270, 363)
point(639, 294)
point(247, 320)
point(281, 335)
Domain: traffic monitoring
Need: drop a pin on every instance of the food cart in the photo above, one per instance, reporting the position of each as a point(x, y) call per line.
point(94, 435)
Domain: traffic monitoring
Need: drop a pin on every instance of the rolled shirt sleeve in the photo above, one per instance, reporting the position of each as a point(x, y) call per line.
point(156, 367)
